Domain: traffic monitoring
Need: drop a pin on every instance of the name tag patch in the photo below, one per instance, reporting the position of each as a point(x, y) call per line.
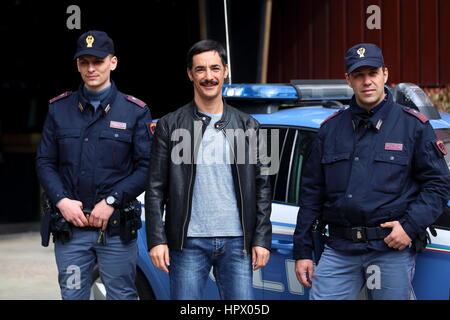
point(393, 146)
point(118, 125)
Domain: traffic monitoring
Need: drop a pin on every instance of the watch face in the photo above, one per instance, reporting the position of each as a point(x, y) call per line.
point(110, 200)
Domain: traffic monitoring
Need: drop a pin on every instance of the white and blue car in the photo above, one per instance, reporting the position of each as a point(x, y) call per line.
point(296, 110)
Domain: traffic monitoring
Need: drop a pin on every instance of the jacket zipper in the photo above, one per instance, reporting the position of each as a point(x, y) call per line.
point(240, 193)
point(188, 198)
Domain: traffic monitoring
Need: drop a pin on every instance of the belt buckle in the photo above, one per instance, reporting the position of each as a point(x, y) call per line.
point(359, 234)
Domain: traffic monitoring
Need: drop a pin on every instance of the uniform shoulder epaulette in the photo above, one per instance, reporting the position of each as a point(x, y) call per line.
point(61, 96)
point(332, 116)
point(136, 101)
point(416, 114)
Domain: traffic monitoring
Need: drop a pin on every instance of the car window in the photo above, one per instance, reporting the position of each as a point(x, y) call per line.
point(279, 180)
point(294, 145)
point(302, 145)
point(444, 135)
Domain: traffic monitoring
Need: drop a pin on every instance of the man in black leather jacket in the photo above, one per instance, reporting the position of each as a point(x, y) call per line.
point(217, 213)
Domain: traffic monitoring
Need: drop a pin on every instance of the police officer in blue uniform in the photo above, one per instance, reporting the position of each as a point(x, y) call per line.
point(377, 177)
point(92, 163)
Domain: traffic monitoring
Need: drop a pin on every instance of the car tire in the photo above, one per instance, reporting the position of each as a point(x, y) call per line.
point(98, 290)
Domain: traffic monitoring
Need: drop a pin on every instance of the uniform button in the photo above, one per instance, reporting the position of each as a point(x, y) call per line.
point(115, 222)
point(356, 158)
point(203, 118)
point(86, 139)
point(350, 196)
point(116, 135)
point(392, 158)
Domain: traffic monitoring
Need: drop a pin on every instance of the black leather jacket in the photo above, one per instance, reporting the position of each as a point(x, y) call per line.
point(170, 184)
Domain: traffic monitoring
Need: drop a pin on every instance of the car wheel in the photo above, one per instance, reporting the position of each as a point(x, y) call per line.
point(98, 289)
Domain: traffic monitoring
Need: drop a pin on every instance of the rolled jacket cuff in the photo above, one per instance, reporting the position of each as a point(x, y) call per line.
point(409, 229)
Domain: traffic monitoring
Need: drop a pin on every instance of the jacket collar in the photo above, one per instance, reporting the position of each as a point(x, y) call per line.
point(222, 123)
point(374, 117)
point(106, 103)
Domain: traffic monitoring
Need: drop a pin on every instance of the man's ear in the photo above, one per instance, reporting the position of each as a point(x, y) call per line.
point(226, 71)
point(385, 74)
point(347, 77)
point(114, 61)
point(78, 64)
point(189, 73)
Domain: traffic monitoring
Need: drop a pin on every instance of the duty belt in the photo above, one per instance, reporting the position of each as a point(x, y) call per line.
point(359, 234)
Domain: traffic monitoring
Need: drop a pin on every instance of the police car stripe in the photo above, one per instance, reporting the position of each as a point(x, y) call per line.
point(435, 248)
point(283, 228)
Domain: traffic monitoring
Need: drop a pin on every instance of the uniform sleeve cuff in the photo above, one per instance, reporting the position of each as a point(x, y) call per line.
point(409, 229)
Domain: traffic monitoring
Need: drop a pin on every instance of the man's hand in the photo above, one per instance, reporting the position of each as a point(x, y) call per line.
point(72, 211)
point(304, 270)
point(260, 257)
point(100, 215)
point(398, 238)
point(160, 257)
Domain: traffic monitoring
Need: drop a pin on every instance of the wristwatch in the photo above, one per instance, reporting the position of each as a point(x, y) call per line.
point(112, 201)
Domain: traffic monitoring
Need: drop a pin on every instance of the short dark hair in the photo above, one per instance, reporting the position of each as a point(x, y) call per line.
point(203, 46)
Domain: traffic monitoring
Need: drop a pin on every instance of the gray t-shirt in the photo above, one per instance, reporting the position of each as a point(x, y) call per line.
point(214, 206)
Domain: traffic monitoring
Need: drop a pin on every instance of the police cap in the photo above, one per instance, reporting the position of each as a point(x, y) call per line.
point(94, 43)
point(363, 54)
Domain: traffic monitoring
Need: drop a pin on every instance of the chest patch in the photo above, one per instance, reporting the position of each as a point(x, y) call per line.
point(118, 125)
point(393, 146)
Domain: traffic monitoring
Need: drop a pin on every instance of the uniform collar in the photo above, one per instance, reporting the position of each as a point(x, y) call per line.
point(106, 103)
point(376, 116)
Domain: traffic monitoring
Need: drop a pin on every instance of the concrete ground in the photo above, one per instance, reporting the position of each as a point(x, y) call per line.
point(27, 270)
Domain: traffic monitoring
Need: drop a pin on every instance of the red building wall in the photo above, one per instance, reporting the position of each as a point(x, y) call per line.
point(309, 38)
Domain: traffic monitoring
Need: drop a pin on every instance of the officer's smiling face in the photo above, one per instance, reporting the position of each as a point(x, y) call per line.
point(96, 72)
point(207, 75)
point(368, 85)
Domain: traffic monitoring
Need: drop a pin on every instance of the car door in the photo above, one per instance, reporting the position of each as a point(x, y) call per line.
point(277, 279)
point(432, 276)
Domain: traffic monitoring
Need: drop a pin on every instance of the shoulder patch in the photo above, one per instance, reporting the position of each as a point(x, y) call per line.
point(416, 114)
point(61, 96)
point(441, 146)
point(332, 116)
point(136, 101)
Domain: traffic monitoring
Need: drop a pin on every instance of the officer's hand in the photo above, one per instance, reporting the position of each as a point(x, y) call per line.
point(160, 257)
point(72, 211)
point(260, 257)
point(304, 270)
point(398, 238)
point(100, 215)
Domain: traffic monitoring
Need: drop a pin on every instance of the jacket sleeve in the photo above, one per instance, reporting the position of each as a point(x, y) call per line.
point(311, 200)
point(430, 170)
point(157, 187)
point(133, 185)
point(47, 161)
point(263, 228)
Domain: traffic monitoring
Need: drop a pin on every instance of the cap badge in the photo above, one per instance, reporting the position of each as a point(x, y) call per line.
point(361, 52)
point(89, 41)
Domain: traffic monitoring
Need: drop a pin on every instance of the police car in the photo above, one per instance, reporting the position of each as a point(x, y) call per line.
point(297, 110)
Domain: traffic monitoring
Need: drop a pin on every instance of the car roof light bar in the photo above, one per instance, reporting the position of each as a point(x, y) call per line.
point(298, 90)
point(310, 90)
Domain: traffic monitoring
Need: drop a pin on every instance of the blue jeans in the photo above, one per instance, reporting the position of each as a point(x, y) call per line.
point(190, 267)
point(386, 275)
point(76, 259)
